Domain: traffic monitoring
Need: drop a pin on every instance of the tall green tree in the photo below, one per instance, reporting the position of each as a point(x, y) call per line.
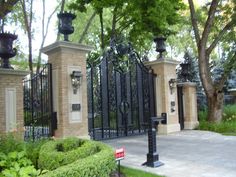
point(218, 28)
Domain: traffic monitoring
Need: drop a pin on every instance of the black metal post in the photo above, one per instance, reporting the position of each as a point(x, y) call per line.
point(119, 168)
point(153, 156)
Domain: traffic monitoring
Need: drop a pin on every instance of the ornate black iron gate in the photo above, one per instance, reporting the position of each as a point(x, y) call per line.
point(120, 94)
point(39, 120)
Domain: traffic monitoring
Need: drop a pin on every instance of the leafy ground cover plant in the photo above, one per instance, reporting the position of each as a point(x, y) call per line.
point(227, 126)
point(16, 164)
point(19, 158)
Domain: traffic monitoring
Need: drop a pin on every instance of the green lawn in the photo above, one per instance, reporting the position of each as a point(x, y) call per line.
point(130, 172)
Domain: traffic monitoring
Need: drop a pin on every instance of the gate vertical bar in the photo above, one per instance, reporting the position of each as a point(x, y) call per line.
point(116, 94)
point(140, 98)
point(129, 98)
point(51, 100)
point(32, 106)
point(123, 102)
point(118, 90)
point(41, 101)
point(101, 96)
point(138, 105)
point(180, 106)
point(108, 100)
point(92, 99)
point(104, 86)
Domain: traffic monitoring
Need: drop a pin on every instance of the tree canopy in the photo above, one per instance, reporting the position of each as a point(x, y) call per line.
point(138, 20)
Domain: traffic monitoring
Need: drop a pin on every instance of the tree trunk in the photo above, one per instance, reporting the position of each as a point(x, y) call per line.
point(215, 107)
point(30, 58)
point(215, 96)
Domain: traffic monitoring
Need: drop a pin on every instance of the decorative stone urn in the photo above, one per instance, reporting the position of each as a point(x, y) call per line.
point(6, 50)
point(160, 45)
point(185, 71)
point(65, 24)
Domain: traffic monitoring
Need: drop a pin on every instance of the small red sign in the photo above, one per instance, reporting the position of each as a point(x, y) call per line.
point(120, 154)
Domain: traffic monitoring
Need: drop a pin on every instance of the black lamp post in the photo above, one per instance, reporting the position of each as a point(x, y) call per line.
point(65, 24)
point(185, 70)
point(6, 50)
point(160, 45)
point(152, 155)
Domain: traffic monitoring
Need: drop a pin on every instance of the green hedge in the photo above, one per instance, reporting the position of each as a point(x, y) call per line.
point(88, 159)
point(62, 152)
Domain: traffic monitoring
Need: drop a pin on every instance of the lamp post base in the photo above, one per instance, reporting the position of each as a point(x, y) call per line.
point(153, 164)
point(153, 160)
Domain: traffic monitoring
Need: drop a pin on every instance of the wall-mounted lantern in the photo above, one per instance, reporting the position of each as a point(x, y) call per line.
point(76, 80)
point(160, 45)
point(65, 24)
point(172, 84)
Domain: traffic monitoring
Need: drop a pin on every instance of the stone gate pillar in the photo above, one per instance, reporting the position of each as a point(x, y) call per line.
point(166, 95)
point(11, 101)
point(190, 105)
point(70, 105)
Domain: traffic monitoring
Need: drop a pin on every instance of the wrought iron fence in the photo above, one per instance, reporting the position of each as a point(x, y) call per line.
point(38, 114)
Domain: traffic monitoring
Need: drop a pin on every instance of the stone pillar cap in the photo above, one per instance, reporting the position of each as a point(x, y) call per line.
point(65, 44)
point(4, 71)
point(159, 61)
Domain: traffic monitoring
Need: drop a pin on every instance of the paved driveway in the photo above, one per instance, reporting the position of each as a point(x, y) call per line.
point(184, 154)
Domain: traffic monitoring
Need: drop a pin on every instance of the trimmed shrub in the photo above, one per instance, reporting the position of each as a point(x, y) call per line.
point(89, 159)
point(69, 144)
point(32, 149)
point(62, 152)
